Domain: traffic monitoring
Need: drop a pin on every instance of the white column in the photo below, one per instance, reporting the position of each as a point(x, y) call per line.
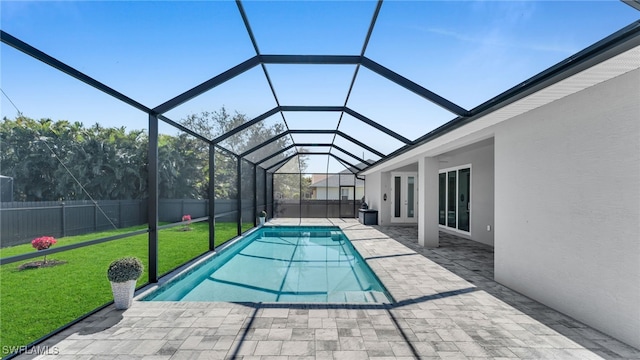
point(428, 202)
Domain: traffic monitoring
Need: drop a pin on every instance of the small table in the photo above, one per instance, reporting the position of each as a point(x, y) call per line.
point(368, 216)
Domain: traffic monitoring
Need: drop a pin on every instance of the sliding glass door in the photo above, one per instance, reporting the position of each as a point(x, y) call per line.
point(442, 198)
point(455, 198)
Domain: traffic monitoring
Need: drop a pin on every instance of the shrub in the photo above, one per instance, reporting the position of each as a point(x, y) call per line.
point(43, 243)
point(125, 269)
point(186, 218)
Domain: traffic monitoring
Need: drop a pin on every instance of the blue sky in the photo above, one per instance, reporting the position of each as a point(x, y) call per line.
point(466, 51)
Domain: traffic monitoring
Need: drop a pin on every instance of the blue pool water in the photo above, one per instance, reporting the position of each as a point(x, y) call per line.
point(280, 264)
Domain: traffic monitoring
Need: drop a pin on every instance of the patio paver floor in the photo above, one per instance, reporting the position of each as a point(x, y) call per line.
point(447, 307)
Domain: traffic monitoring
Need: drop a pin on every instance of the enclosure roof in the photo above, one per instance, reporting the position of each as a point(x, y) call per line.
point(353, 83)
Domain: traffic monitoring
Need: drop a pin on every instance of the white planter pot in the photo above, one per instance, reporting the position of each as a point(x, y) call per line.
point(123, 294)
point(261, 220)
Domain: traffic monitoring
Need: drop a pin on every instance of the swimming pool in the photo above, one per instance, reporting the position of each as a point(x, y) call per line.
point(280, 264)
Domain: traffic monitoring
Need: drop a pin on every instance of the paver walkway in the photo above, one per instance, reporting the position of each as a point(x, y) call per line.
point(447, 307)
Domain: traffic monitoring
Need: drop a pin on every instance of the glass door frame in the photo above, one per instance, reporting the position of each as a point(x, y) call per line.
point(446, 171)
point(404, 197)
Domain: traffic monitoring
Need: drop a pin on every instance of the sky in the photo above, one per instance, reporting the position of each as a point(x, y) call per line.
point(151, 51)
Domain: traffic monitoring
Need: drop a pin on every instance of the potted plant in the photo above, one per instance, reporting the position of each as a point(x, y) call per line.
point(262, 216)
point(123, 274)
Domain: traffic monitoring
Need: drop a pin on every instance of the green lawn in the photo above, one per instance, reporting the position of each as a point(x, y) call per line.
point(37, 301)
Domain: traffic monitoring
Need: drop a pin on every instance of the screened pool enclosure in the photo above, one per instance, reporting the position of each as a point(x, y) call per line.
point(271, 119)
point(295, 158)
point(285, 104)
point(162, 130)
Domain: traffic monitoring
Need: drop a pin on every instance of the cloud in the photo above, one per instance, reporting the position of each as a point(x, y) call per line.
point(502, 24)
point(494, 39)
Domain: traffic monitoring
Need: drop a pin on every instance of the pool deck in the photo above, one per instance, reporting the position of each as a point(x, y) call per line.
point(447, 306)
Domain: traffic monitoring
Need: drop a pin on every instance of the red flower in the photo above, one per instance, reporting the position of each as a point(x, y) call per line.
point(43, 242)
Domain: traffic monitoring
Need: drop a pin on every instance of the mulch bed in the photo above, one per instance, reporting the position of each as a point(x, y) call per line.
point(40, 264)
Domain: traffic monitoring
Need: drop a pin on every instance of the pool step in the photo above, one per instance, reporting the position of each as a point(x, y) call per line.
point(278, 233)
point(357, 297)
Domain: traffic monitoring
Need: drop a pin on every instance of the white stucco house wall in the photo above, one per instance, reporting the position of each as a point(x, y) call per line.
point(554, 187)
point(330, 187)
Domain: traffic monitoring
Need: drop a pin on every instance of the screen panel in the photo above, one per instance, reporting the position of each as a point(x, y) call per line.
point(286, 193)
point(309, 27)
point(248, 195)
point(226, 196)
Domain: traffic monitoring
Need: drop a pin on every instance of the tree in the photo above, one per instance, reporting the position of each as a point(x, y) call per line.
point(216, 123)
point(182, 168)
point(111, 161)
point(58, 160)
point(66, 161)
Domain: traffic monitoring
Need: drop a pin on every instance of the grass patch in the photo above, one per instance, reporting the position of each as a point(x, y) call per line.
point(37, 301)
point(68, 240)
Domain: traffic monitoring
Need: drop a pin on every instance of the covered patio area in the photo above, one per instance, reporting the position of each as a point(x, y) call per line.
point(446, 306)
